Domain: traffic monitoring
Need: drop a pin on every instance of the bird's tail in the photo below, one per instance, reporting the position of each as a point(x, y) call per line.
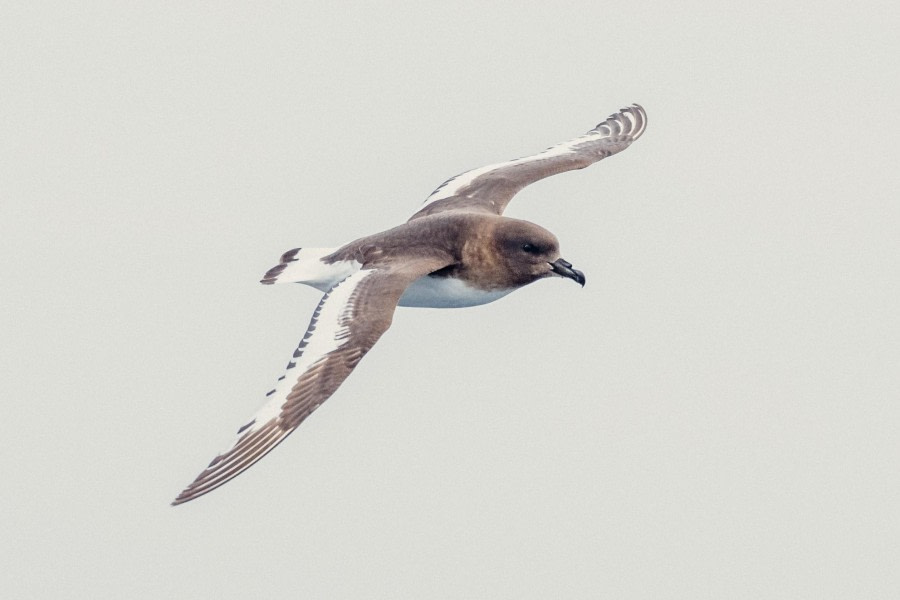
point(306, 265)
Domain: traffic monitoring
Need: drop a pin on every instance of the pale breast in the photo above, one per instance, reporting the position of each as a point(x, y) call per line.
point(447, 292)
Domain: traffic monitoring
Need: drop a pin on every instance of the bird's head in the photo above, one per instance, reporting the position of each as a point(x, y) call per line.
point(529, 252)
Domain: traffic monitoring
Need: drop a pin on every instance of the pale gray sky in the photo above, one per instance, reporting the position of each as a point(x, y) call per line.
point(715, 415)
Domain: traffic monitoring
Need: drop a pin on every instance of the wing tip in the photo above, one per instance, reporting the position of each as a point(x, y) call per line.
point(628, 124)
point(184, 496)
point(250, 448)
point(633, 119)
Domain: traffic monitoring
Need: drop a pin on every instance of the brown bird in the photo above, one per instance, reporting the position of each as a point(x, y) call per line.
point(458, 250)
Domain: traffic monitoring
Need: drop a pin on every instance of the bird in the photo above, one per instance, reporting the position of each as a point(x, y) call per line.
point(457, 250)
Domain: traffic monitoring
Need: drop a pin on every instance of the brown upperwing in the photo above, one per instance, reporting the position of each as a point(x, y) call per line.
point(489, 189)
point(364, 317)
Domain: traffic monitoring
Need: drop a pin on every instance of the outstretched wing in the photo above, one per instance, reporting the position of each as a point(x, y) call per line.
point(489, 189)
point(348, 321)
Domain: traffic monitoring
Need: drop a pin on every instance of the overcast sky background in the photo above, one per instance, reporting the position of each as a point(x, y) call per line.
point(715, 415)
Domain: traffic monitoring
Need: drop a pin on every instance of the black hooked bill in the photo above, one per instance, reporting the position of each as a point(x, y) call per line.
point(564, 268)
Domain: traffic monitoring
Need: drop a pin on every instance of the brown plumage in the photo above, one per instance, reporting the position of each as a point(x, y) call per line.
point(458, 250)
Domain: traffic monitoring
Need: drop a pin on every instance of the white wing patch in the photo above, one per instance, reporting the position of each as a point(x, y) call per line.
point(631, 120)
point(326, 333)
point(454, 185)
point(328, 330)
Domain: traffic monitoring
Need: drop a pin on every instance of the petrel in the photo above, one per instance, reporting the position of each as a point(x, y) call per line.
point(458, 250)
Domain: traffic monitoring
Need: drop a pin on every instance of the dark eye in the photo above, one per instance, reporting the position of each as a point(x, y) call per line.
point(530, 248)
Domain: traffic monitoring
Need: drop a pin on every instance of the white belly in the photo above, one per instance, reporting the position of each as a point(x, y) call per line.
point(446, 292)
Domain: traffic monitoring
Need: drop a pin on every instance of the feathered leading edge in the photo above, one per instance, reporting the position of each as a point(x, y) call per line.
point(489, 189)
point(346, 324)
point(290, 402)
